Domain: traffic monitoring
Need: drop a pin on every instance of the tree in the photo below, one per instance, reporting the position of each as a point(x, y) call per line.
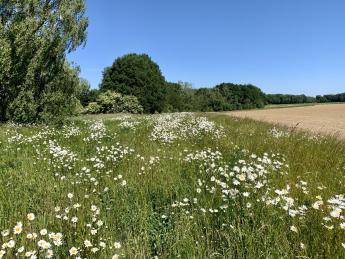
point(210, 99)
point(175, 101)
point(60, 96)
point(84, 92)
point(35, 36)
point(241, 96)
point(137, 75)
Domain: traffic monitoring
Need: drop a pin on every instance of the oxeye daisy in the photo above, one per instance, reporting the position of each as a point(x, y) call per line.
point(17, 229)
point(43, 232)
point(87, 243)
point(5, 233)
point(49, 253)
point(11, 244)
point(31, 216)
point(73, 251)
point(117, 245)
point(294, 229)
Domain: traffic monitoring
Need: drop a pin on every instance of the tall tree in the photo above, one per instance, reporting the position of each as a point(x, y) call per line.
point(35, 36)
point(139, 76)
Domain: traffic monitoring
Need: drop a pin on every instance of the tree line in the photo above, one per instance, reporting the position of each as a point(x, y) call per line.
point(295, 99)
point(138, 76)
point(329, 98)
point(289, 99)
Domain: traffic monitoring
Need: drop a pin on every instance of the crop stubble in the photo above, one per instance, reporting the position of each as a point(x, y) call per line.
point(325, 119)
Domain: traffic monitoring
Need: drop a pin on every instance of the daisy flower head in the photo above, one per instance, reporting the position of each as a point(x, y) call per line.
point(73, 251)
point(18, 229)
point(117, 245)
point(31, 216)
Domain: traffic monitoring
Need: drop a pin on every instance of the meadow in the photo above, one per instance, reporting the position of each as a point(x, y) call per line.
point(180, 185)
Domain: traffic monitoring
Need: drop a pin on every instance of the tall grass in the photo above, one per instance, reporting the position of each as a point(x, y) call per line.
point(171, 186)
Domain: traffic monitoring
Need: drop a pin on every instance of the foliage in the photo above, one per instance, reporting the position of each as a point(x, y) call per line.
point(130, 104)
point(112, 102)
point(289, 99)
point(93, 108)
point(139, 76)
point(182, 97)
point(59, 99)
point(179, 97)
point(35, 36)
point(242, 96)
point(331, 98)
point(84, 93)
point(227, 96)
point(210, 99)
point(23, 108)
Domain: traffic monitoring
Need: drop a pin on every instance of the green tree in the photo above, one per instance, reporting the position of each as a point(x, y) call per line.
point(60, 96)
point(174, 98)
point(35, 36)
point(84, 92)
point(137, 75)
point(241, 96)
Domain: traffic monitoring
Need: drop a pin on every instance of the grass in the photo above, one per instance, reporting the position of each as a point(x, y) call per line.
point(278, 106)
point(172, 186)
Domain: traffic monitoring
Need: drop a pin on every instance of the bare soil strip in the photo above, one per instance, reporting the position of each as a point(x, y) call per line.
point(326, 119)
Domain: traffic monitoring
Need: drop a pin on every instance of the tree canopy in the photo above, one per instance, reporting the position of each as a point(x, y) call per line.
point(289, 99)
point(35, 36)
point(137, 75)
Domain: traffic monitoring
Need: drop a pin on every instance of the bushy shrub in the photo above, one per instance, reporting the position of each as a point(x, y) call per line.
point(93, 108)
point(55, 107)
point(131, 104)
point(78, 107)
point(112, 102)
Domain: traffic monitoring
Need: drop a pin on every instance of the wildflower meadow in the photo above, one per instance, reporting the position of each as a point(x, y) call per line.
point(178, 185)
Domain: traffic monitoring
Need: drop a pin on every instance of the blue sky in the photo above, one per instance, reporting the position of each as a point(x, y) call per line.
point(291, 46)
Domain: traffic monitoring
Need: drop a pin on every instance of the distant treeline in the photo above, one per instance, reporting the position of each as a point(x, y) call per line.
point(289, 99)
point(293, 99)
point(331, 98)
point(224, 97)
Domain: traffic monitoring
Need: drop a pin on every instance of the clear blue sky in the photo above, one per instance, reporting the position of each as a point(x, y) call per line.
point(291, 46)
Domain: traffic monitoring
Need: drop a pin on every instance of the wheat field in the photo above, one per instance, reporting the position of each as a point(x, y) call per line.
point(322, 118)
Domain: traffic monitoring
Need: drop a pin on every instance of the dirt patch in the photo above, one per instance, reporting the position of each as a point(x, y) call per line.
point(329, 119)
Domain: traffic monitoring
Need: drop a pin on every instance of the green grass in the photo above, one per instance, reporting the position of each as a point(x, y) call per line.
point(141, 185)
